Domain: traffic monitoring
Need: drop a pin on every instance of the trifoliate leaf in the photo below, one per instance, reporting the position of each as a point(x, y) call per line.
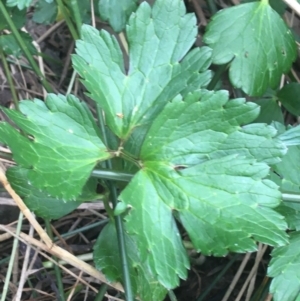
point(116, 12)
point(159, 38)
point(41, 203)
point(199, 162)
point(285, 269)
point(289, 97)
point(107, 259)
point(259, 50)
point(59, 143)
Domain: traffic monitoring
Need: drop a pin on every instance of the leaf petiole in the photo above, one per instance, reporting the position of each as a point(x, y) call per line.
point(112, 175)
point(291, 198)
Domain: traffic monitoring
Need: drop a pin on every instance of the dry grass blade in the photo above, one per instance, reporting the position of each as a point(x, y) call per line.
point(24, 274)
point(293, 4)
point(24, 208)
point(236, 277)
point(253, 271)
point(49, 246)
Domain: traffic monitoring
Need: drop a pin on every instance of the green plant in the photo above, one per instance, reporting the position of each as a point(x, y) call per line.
point(195, 157)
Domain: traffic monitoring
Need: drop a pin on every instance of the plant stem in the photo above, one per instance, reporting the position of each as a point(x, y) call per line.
point(68, 20)
point(56, 268)
point(101, 292)
point(118, 219)
point(24, 48)
point(9, 79)
point(289, 197)
point(122, 246)
point(76, 14)
point(71, 82)
point(112, 175)
point(220, 70)
point(97, 173)
point(82, 229)
point(108, 209)
point(172, 296)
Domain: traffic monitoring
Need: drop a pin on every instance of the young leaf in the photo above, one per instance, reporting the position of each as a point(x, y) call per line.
point(60, 145)
point(289, 97)
point(260, 52)
point(159, 38)
point(41, 203)
point(116, 12)
point(107, 259)
point(284, 268)
point(199, 162)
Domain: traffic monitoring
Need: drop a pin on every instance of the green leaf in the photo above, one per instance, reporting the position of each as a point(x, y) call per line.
point(120, 209)
point(284, 268)
point(41, 203)
point(291, 136)
point(289, 170)
point(17, 16)
point(10, 46)
point(60, 143)
point(134, 99)
point(269, 111)
point(45, 12)
point(117, 12)
point(260, 51)
point(107, 259)
point(211, 128)
point(291, 213)
point(199, 162)
point(277, 5)
point(21, 4)
point(289, 97)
